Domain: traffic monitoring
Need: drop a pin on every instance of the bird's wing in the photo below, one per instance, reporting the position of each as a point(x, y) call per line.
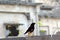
point(27, 30)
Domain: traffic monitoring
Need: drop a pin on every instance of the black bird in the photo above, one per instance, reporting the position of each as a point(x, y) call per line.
point(30, 29)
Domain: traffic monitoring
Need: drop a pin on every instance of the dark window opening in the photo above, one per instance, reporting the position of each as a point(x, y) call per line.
point(12, 29)
point(46, 8)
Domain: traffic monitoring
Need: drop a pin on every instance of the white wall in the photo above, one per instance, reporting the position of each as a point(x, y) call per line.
point(13, 18)
point(52, 24)
point(16, 8)
point(48, 2)
point(20, 18)
point(41, 1)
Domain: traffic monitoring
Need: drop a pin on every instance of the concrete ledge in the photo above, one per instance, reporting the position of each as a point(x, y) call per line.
point(46, 37)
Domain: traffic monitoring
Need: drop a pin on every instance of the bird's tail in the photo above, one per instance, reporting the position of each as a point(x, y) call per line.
point(25, 32)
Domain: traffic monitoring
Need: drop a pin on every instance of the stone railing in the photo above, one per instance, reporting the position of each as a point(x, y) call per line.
point(46, 37)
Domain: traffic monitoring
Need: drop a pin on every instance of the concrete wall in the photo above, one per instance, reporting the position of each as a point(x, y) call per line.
point(6, 14)
point(13, 18)
point(30, 38)
point(48, 2)
point(46, 37)
point(16, 8)
point(52, 24)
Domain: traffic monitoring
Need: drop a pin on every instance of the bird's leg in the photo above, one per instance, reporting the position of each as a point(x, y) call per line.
point(29, 34)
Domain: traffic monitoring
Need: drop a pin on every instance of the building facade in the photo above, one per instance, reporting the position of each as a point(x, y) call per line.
point(50, 17)
point(24, 12)
point(16, 12)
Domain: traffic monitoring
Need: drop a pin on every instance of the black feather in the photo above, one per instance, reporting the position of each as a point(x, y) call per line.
point(30, 29)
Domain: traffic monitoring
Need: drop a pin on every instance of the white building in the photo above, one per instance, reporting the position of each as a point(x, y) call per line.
point(18, 12)
point(51, 10)
point(24, 11)
point(50, 17)
point(48, 2)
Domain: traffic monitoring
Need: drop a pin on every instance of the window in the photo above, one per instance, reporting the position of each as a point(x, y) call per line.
point(46, 8)
point(11, 29)
point(44, 30)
